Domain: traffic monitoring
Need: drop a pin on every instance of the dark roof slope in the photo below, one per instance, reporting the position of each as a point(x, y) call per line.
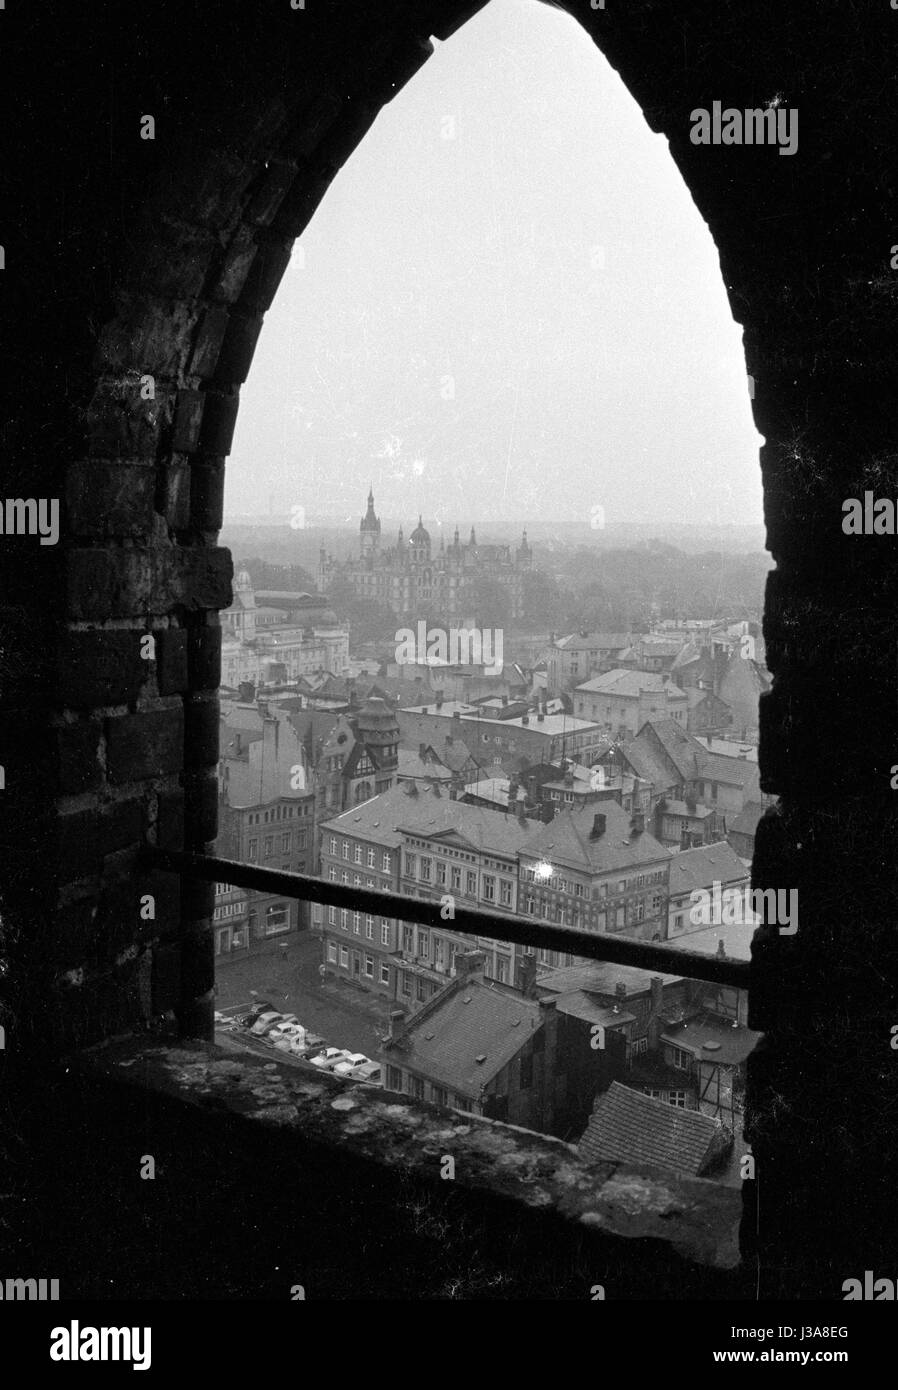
point(628, 1127)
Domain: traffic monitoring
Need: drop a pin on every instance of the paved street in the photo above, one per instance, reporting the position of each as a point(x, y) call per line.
point(343, 1015)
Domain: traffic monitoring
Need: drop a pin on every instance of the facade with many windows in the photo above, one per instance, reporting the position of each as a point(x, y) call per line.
point(598, 871)
point(266, 817)
point(457, 855)
point(360, 849)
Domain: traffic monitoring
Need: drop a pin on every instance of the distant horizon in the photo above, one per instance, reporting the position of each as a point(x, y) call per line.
point(350, 524)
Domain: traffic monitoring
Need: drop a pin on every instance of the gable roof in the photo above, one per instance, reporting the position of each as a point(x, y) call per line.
point(566, 840)
point(629, 1127)
point(632, 684)
point(468, 1021)
point(374, 820)
point(431, 816)
point(704, 866)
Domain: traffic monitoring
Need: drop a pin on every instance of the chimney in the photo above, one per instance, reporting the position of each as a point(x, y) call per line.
point(422, 749)
point(469, 967)
point(525, 719)
point(637, 823)
point(456, 714)
point(448, 740)
point(620, 990)
point(526, 975)
point(541, 715)
point(657, 987)
point(548, 811)
point(531, 788)
point(396, 1029)
point(721, 950)
point(504, 700)
point(246, 692)
point(439, 699)
point(598, 826)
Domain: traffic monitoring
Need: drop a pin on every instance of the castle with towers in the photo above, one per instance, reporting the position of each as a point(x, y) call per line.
point(413, 581)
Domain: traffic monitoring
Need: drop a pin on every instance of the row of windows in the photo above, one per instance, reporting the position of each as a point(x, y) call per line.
point(385, 924)
point(677, 1098)
point(408, 1084)
point(362, 966)
point(229, 910)
point(356, 880)
point(356, 852)
point(285, 844)
point(279, 813)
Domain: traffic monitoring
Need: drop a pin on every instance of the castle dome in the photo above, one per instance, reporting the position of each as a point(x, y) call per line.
point(420, 536)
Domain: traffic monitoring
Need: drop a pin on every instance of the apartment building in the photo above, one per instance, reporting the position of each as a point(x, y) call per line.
point(621, 701)
point(600, 871)
point(360, 848)
point(573, 659)
point(468, 854)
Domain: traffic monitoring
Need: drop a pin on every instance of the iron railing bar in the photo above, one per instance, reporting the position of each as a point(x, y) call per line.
point(525, 931)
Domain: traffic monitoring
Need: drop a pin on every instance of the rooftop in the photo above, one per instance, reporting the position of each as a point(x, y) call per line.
point(631, 684)
point(704, 866)
point(628, 1126)
point(566, 840)
point(472, 1021)
point(736, 940)
point(601, 977)
point(713, 1040)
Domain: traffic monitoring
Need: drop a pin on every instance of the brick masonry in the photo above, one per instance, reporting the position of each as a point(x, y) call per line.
point(164, 262)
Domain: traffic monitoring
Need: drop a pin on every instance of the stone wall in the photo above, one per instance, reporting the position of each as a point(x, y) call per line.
point(128, 258)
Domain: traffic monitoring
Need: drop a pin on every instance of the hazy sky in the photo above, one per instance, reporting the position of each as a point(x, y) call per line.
point(506, 308)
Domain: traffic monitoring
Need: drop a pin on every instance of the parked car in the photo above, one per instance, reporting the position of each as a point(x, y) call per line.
point(367, 1071)
point(328, 1059)
point(264, 1024)
point(287, 1025)
point(350, 1061)
point(255, 1011)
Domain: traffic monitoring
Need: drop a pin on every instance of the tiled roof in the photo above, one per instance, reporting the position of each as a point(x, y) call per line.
point(684, 751)
point(471, 1021)
point(629, 1127)
point(458, 756)
point(647, 763)
point(413, 765)
point(631, 683)
point(733, 771)
point(375, 820)
point(428, 815)
point(700, 868)
point(566, 840)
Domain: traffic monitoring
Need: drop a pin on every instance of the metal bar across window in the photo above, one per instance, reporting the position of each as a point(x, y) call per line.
point(526, 931)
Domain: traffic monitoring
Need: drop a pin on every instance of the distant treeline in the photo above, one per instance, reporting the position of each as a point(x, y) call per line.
point(572, 590)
